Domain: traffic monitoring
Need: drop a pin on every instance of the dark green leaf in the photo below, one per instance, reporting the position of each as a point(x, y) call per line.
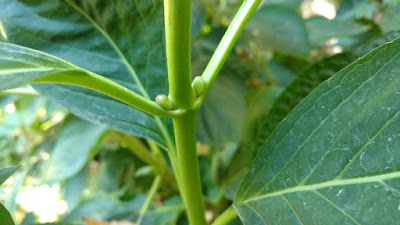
point(279, 28)
point(6, 173)
point(5, 216)
point(321, 29)
point(375, 42)
point(76, 145)
point(120, 40)
point(218, 123)
point(303, 85)
point(336, 155)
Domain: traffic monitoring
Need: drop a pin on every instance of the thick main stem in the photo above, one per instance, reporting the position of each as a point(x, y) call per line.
point(178, 36)
point(190, 186)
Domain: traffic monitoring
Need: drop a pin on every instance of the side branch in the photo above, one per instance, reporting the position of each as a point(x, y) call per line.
point(108, 87)
point(225, 46)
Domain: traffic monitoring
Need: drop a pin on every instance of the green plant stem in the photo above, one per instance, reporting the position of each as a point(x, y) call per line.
point(154, 159)
point(225, 45)
point(29, 92)
point(268, 74)
point(227, 216)
point(190, 186)
point(150, 196)
point(108, 87)
point(178, 36)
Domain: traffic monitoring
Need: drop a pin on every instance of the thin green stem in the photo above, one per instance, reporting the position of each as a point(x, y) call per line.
point(150, 196)
point(190, 186)
point(267, 72)
point(227, 216)
point(108, 87)
point(29, 92)
point(154, 159)
point(226, 44)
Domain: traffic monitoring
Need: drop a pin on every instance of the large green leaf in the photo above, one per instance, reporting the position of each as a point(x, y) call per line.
point(120, 40)
point(5, 216)
point(303, 85)
point(278, 28)
point(335, 158)
point(76, 145)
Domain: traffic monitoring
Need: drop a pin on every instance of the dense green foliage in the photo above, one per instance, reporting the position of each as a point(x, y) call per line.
point(300, 127)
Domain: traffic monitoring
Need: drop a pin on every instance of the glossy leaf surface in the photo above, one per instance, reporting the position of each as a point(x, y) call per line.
point(336, 155)
point(120, 40)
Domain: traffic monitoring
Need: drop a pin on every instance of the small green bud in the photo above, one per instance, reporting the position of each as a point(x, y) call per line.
point(164, 102)
point(198, 85)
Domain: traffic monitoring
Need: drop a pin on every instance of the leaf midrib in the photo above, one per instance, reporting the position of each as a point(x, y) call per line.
point(115, 47)
point(337, 182)
point(327, 116)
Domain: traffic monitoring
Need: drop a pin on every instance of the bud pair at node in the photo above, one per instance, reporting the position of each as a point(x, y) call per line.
point(198, 85)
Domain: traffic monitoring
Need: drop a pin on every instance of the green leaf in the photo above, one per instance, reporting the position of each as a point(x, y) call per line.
point(6, 173)
point(77, 144)
point(120, 40)
point(279, 28)
point(219, 123)
point(303, 85)
point(336, 155)
point(375, 42)
point(5, 216)
point(321, 29)
point(390, 20)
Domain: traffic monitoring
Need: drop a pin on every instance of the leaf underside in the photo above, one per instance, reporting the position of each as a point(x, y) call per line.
point(336, 156)
point(120, 40)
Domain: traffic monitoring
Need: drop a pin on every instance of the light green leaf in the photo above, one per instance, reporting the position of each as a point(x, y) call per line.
point(279, 28)
point(321, 29)
point(336, 155)
point(6, 173)
point(5, 216)
point(76, 145)
point(120, 40)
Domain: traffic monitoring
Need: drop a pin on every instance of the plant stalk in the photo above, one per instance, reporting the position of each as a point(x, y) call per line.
point(190, 186)
point(178, 36)
point(227, 216)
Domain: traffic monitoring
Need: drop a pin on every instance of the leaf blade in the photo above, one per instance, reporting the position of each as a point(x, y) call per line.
point(331, 143)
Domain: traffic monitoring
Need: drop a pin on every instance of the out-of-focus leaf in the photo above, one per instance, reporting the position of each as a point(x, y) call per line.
point(218, 123)
point(76, 144)
point(199, 13)
point(303, 85)
point(5, 173)
point(376, 42)
point(104, 208)
point(120, 40)
point(321, 29)
point(335, 156)
point(290, 3)
point(5, 216)
point(279, 28)
point(257, 108)
point(390, 20)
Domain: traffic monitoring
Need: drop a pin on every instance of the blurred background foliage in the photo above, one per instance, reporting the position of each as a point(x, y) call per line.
point(76, 172)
